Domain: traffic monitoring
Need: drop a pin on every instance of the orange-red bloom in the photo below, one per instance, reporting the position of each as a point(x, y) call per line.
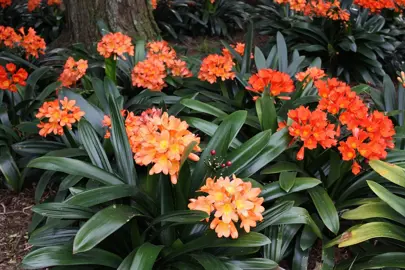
point(10, 77)
point(232, 201)
point(33, 4)
point(32, 43)
point(154, 3)
point(311, 74)
point(375, 6)
point(268, 79)
point(54, 115)
point(73, 71)
point(54, 2)
point(5, 3)
point(115, 44)
point(9, 37)
point(160, 140)
point(160, 61)
point(216, 66)
point(312, 128)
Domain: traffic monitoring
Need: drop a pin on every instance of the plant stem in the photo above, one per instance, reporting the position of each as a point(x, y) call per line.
point(223, 89)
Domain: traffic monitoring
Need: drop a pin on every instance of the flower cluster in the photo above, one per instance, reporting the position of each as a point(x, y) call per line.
point(366, 134)
point(10, 77)
point(318, 8)
point(154, 3)
point(232, 201)
point(9, 37)
point(311, 74)
point(54, 2)
point(33, 4)
point(312, 128)
point(268, 79)
point(401, 78)
point(161, 59)
point(238, 47)
point(73, 71)
point(115, 44)
point(5, 3)
point(59, 114)
point(375, 6)
point(158, 139)
point(216, 66)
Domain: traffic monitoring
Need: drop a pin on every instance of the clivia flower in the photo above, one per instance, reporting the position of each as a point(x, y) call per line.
point(216, 66)
point(232, 200)
point(115, 44)
point(10, 77)
point(73, 71)
point(275, 81)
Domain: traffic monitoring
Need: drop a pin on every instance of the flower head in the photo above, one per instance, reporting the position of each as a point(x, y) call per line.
point(312, 73)
point(54, 2)
point(73, 71)
point(5, 3)
point(115, 44)
point(231, 201)
point(216, 66)
point(10, 77)
point(54, 115)
point(32, 43)
point(33, 4)
point(275, 81)
point(9, 37)
point(158, 139)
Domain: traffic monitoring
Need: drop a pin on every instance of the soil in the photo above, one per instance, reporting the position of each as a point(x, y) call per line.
point(15, 216)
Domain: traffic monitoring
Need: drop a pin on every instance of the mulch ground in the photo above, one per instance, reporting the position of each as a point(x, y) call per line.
point(15, 216)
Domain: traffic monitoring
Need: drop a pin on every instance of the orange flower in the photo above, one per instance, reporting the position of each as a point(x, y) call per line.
point(312, 73)
point(115, 44)
point(54, 2)
point(277, 82)
point(33, 4)
point(160, 60)
point(158, 139)
point(312, 128)
point(9, 37)
point(73, 71)
point(401, 78)
point(5, 3)
point(10, 77)
point(149, 74)
point(154, 3)
point(239, 48)
point(59, 116)
point(32, 43)
point(231, 200)
point(216, 66)
point(375, 6)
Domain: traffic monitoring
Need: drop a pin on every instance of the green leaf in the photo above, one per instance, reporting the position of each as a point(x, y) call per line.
point(181, 216)
point(373, 210)
point(389, 171)
point(266, 111)
point(127, 262)
point(203, 107)
point(52, 237)
point(101, 225)
point(273, 191)
point(75, 167)
point(287, 180)
point(278, 143)
point(98, 86)
point(298, 215)
point(120, 142)
point(219, 142)
point(210, 239)
point(241, 157)
point(325, 207)
point(10, 171)
point(246, 61)
point(42, 184)
point(208, 128)
point(396, 202)
point(254, 263)
point(209, 261)
point(93, 146)
point(36, 147)
point(385, 260)
point(271, 215)
point(32, 81)
point(282, 53)
point(260, 60)
point(370, 231)
point(62, 255)
point(101, 195)
point(145, 257)
point(63, 211)
point(282, 166)
point(389, 94)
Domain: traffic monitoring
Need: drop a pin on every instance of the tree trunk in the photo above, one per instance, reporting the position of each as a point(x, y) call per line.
point(131, 17)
